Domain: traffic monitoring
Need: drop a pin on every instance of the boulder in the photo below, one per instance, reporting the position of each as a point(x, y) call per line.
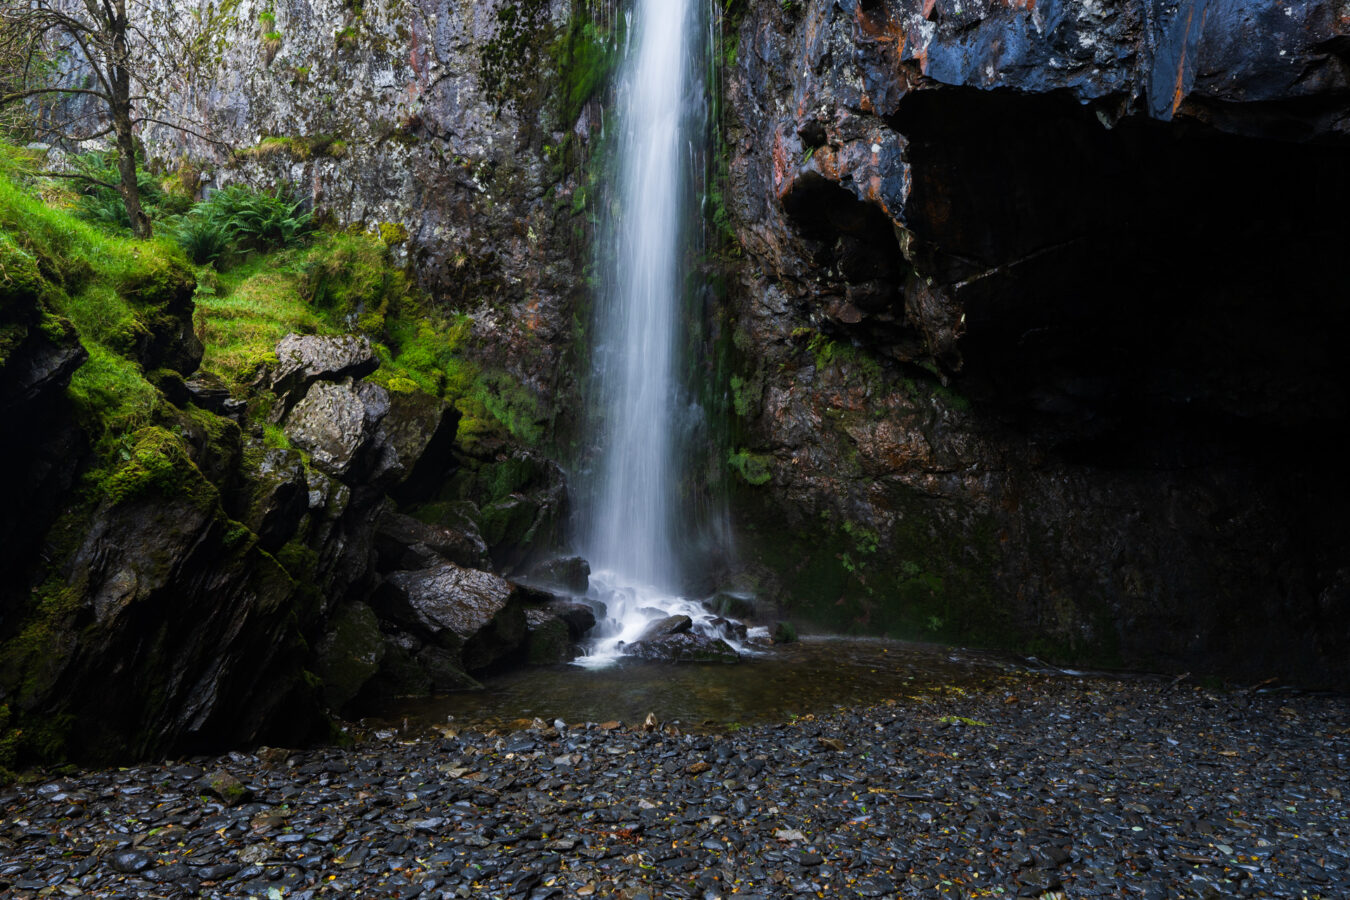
point(579, 617)
point(421, 429)
point(303, 359)
point(280, 498)
point(349, 654)
point(667, 626)
point(683, 647)
point(338, 425)
point(400, 674)
point(571, 573)
point(209, 391)
point(403, 541)
point(548, 638)
point(473, 613)
point(731, 628)
point(443, 669)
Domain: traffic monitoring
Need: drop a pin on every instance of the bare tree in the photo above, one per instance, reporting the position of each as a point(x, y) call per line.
point(106, 53)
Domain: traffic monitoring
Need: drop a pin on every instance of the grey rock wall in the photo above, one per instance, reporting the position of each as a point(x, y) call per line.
point(1032, 317)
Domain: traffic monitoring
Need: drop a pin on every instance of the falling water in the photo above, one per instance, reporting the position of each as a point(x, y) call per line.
point(641, 408)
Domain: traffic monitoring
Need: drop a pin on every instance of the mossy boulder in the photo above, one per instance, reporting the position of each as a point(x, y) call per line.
point(349, 654)
point(548, 640)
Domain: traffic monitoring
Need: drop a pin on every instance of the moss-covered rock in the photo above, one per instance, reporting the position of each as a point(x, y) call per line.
point(349, 654)
point(547, 638)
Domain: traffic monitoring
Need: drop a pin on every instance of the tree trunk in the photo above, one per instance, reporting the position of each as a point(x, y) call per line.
point(119, 86)
point(126, 167)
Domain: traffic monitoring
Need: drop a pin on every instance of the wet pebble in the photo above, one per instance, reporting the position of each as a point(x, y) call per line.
point(1034, 785)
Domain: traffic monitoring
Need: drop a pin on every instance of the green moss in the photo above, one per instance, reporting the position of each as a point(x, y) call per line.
point(154, 461)
point(113, 291)
point(585, 57)
point(753, 468)
point(393, 233)
point(301, 147)
point(828, 353)
point(733, 14)
point(111, 393)
point(20, 279)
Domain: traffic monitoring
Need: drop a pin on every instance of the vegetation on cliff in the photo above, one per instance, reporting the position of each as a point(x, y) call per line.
point(154, 332)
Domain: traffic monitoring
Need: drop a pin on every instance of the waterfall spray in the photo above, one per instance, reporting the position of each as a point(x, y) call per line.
point(641, 409)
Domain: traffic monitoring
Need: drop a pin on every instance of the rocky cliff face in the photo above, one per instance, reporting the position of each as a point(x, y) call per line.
point(460, 130)
point(1037, 316)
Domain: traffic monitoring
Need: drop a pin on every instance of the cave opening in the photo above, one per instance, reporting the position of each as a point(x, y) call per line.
point(1144, 295)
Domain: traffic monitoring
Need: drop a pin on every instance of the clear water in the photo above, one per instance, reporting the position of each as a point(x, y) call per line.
point(640, 406)
point(813, 677)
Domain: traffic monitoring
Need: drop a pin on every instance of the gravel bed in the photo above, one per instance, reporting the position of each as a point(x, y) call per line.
point(1034, 786)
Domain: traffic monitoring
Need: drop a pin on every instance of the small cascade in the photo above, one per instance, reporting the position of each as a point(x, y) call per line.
point(641, 411)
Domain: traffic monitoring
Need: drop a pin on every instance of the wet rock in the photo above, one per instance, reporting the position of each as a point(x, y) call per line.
point(579, 617)
point(227, 787)
point(730, 628)
point(349, 654)
point(129, 861)
point(571, 573)
point(337, 423)
point(683, 647)
point(473, 613)
point(548, 638)
point(403, 542)
point(666, 626)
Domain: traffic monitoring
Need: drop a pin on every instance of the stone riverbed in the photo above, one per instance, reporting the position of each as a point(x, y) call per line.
point(1028, 784)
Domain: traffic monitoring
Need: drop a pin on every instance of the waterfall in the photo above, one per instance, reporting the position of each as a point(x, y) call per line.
point(640, 408)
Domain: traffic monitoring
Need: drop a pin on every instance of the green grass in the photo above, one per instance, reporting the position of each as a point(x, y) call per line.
point(109, 286)
point(112, 390)
point(245, 313)
point(104, 285)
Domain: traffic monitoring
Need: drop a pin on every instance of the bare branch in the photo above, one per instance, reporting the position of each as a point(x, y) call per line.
point(78, 176)
point(183, 128)
point(33, 92)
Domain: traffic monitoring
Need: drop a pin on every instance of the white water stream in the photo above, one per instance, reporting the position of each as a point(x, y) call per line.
point(639, 334)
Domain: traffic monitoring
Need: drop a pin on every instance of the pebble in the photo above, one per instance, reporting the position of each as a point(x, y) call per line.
point(1048, 787)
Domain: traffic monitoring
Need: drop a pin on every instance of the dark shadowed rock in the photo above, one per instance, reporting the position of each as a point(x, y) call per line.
point(579, 617)
point(548, 638)
point(421, 429)
point(928, 365)
point(571, 573)
point(662, 627)
point(684, 647)
point(349, 654)
point(444, 669)
point(279, 497)
point(209, 391)
point(474, 613)
point(401, 541)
